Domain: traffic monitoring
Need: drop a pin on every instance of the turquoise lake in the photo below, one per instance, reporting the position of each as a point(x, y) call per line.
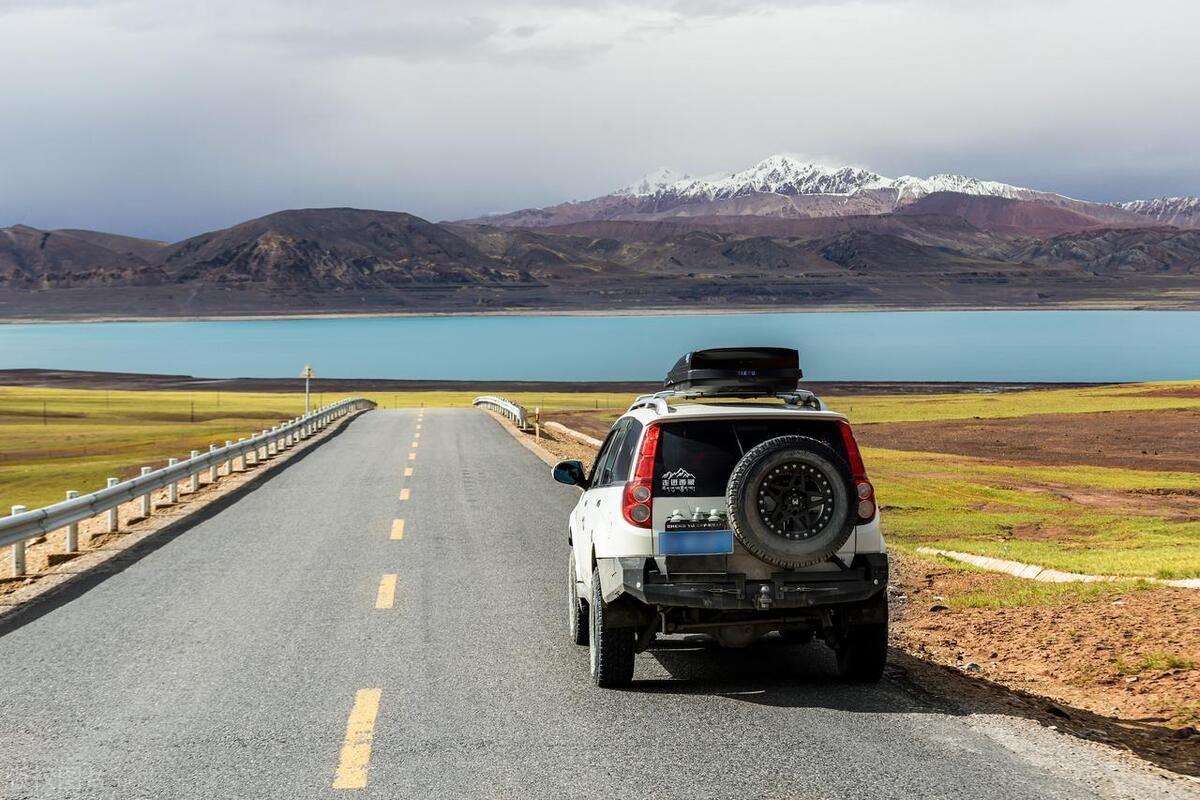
point(904, 346)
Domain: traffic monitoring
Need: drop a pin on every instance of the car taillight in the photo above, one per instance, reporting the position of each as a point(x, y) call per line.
point(866, 492)
point(639, 490)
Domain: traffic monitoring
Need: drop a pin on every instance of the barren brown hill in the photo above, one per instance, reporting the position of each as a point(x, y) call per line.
point(348, 260)
point(1002, 214)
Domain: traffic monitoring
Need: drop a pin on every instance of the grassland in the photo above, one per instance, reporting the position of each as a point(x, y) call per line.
point(1092, 520)
point(52, 440)
point(1125, 522)
point(921, 408)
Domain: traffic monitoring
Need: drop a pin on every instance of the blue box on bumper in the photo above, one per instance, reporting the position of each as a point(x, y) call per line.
point(695, 543)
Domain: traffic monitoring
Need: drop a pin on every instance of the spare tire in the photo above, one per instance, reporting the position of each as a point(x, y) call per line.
point(791, 501)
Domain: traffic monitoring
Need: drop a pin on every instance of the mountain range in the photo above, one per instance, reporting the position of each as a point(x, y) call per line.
point(789, 188)
point(784, 233)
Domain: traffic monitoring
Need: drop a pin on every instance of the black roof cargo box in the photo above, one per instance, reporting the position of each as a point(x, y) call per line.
point(736, 371)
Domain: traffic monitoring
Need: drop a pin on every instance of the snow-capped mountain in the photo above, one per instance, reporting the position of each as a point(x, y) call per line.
point(785, 175)
point(775, 175)
point(1183, 212)
point(786, 187)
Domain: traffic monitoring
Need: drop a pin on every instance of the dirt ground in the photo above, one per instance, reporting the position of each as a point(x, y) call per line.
point(1134, 677)
point(1155, 440)
point(1131, 666)
point(565, 448)
point(593, 423)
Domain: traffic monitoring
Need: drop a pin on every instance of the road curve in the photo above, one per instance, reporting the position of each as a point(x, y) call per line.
point(267, 653)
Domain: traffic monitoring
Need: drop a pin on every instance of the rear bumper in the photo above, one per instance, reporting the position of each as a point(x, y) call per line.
point(865, 576)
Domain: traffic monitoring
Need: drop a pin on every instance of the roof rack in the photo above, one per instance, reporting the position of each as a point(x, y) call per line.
point(800, 398)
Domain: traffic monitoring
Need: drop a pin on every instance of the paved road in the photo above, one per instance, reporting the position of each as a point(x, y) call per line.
point(231, 662)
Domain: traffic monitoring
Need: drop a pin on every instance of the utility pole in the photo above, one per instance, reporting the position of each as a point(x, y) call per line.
point(308, 375)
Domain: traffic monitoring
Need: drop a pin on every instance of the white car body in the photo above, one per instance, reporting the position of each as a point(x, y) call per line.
point(599, 530)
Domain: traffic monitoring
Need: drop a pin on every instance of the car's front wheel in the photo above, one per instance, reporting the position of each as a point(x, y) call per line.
point(610, 648)
point(577, 607)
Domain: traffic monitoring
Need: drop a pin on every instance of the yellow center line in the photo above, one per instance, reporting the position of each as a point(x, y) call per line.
point(356, 747)
point(417, 435)
point(386, 596)
point(412, 456)
point(404, 494)
point(397, 529)
point(416, 444)
point(408, 472)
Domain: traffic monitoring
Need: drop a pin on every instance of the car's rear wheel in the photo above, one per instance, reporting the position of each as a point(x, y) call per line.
point(862, 655)
point(791, 501)
point(862, 646)
point(577, 607)
point(610, 648)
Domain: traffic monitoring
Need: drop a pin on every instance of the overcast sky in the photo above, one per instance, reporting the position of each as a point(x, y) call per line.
point(166, 119)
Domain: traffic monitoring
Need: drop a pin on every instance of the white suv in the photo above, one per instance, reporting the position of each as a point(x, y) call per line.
point(733, 517)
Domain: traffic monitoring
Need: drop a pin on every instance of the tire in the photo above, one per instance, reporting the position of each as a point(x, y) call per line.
point(797, 637)
point(577, 607)
point(862, 653)
point(791, 501)
point(610, 649)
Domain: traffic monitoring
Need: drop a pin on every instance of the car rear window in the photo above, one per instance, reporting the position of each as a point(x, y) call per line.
point(695, 457)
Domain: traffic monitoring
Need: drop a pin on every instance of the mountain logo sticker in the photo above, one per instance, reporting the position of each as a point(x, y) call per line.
point(679, 480)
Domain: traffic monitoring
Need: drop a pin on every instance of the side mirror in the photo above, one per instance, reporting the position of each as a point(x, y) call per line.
point(571, 473)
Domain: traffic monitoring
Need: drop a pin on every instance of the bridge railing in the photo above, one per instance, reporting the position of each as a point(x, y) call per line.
point(509, 409)
point(23, 524)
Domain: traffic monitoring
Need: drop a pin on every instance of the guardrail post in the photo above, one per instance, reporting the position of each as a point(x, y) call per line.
point(148, 497)
point(173, 488)
point(229, 461)
point(18, 548)
point(194, 486)
point(240, 461)
point(271, 449)
point(73, 528)
point(113, 517)
point(212, 471)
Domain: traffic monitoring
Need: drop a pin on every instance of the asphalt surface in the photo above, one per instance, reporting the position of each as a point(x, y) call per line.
point(226, 663)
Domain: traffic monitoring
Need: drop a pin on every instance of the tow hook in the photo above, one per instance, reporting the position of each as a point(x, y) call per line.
point(764, 600)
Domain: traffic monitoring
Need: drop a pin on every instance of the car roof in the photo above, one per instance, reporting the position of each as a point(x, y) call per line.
point(679, 411)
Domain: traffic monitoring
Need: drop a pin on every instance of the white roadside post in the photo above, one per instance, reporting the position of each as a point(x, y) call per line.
point(173, 488)
point(308, 374)
point(18, 548)
point(229, 461)
point(113, 518)
point(194, 485)
point(148, 497)
point(242, 455)
point(72, 528)
point(212, 471)
point(271, 449)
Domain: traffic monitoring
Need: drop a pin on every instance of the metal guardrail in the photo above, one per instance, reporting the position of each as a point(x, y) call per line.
point(23, 525)
point(509, 409)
